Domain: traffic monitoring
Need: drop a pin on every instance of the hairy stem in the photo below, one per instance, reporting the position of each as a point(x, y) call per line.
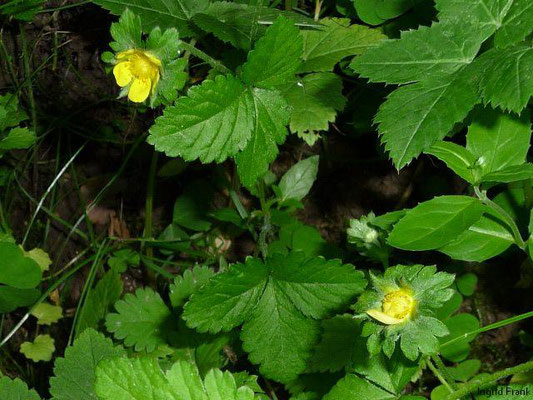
point(203, 56)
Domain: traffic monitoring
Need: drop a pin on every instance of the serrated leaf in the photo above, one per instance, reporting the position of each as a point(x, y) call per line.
point(499, 140)
point(140, 321)
point(508, 77)
point(214, 121)
point(433, 51)
point(106, 292)
point(336, 39)
point(276, 57)
point(15, 389)
point(74, 375)
point(457, 158)
point(41, 349)
point(277, 301)
point(271, 117)
point(414, 117)
point(435, 223)
point(160, 13)
point(517, 24)
point(188, 283)
point(298, 180)
point(47, 314)
point(315, 100)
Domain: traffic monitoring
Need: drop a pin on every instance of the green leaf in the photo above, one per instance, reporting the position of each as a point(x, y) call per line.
point(278, 303)
point(11, 114)
point(12, 298)
point(159, 12)
point(354, 387)
point(465, 370)
point(272, 116)
point(435, 223)
point(433, 51)
point(276, 56)
point(467, 283)
point(335, 40)
point(214, 121)
point(459, 325)
point(41, 349)
point(16, 270)
point(188, 283)
point(124, 258)
point(414, 117)
point(74, 375)
point(485, 239)
point(315, 100)
point(106, 292)
point(140, 321)
point(508, 77)
point(298, 180)
point(127, 32)
point(47, 314)
point(517, 24)
point(18, 138)
point(40, 256)
point(499, 140)
point(511, 174)
point(15, 389)
point(457, 158)
point(191, 208)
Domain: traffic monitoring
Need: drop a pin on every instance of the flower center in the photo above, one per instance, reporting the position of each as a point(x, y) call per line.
point(143, 67)
point(398, 304)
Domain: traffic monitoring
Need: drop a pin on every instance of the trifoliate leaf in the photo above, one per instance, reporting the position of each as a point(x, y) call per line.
point(336, 39)
point(499, 140)
point(214, 121)
point(278, 304)
point(272, 116)
point(315, 100)
point(187, 284)
point(159, 12)
point(106, 292)
point(15, 389)
point(517, 24)
point(298, 180)
point(414, 117)
point(508, 77)
point(41, 349)
point(276, 56)
point(47, 314)
point(41, 257)
point(74, 375)
point(143, 379)
point(433, 51)
point(435, 223)
point(140, 321)
point(16, 270)
point(18, 138)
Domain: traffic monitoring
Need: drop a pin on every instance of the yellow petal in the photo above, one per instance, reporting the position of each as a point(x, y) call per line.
point(125, 54)
point(384, 318)
point(140, 90)
point(122, 73)
point(155, 82)
point(153, 59)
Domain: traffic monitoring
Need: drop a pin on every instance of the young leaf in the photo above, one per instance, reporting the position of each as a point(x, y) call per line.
point(499, 140)
point(15, 389)
point(315, 100)
point(272, 116)
point(159, 12)
point(276, 56)
point(433, 51)
point(336, 39)
point(140, 321)
point(414, 117)
point(47, 314)
point(187, 284)
point(41, 349)
point(297, 181)
point(74, 375)
point(457, 158)
point(435, 223)
point(277, 301)
point(212, 123)
point(508, 77)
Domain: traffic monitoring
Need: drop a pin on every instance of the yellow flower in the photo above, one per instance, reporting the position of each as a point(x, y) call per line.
point(397, 307)
point(140, 70)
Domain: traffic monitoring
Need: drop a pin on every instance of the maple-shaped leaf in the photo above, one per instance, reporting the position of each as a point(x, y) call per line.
point(279, 302)
point(15, 389)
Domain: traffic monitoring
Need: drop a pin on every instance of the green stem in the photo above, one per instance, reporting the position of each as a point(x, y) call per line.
point(203, 56)
point(477, 383)
point(437, 373)
point(507, 219)
point(444, 371)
